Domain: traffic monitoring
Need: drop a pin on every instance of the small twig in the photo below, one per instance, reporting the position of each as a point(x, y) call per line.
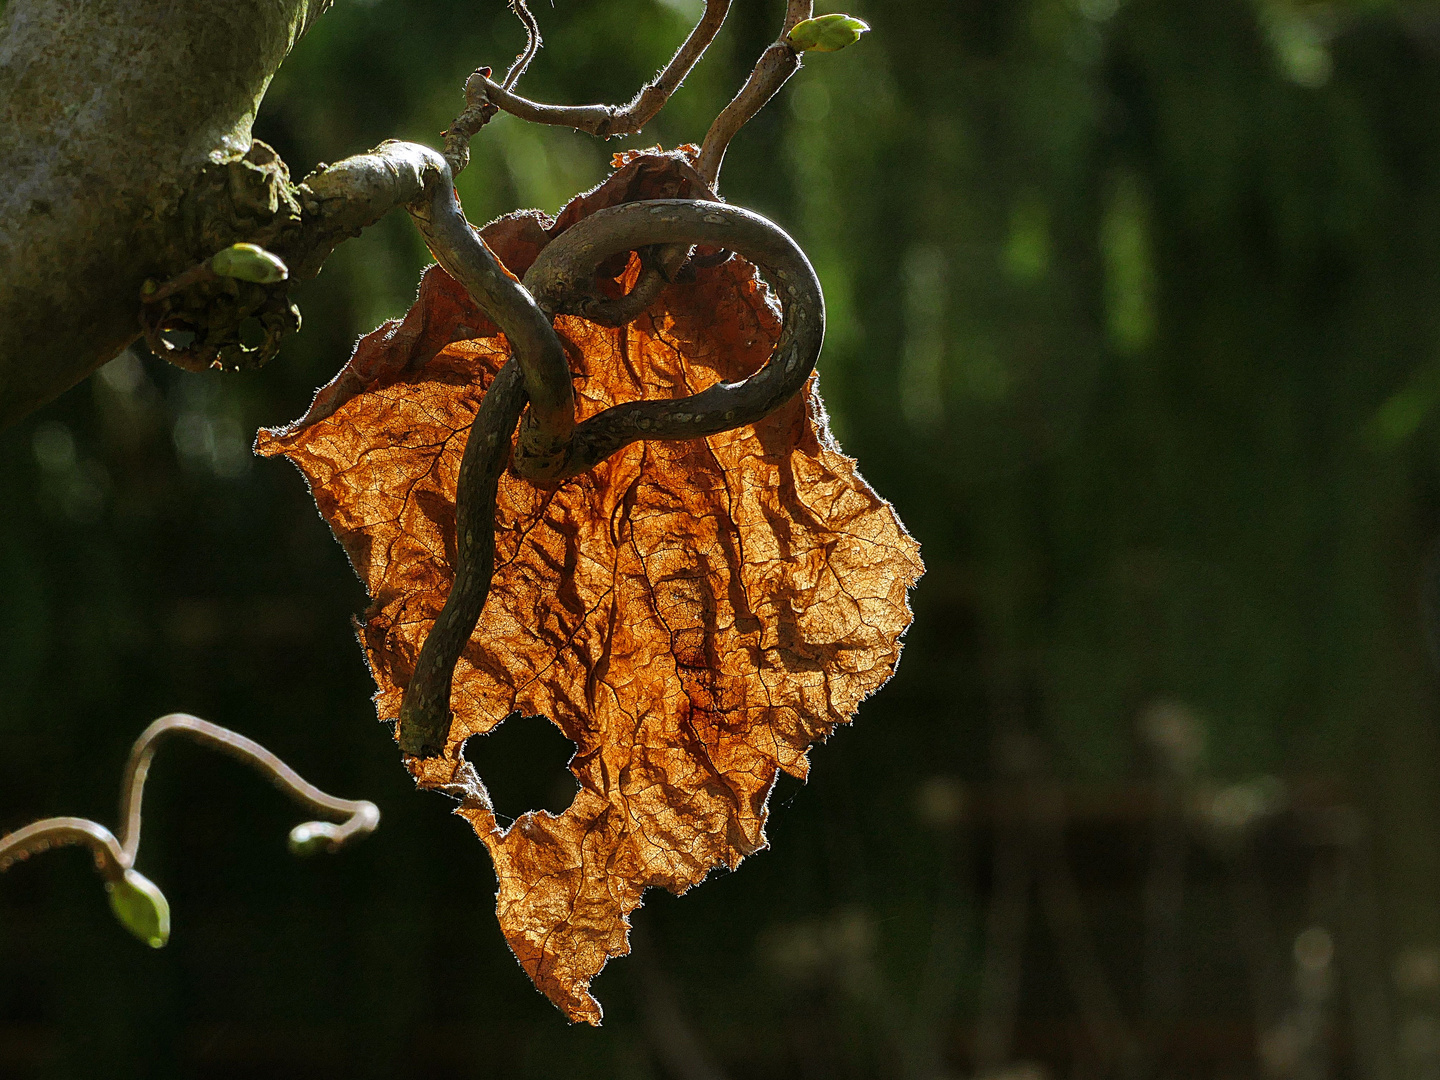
point(606, 121)
point(65, 832)
point(775, 66)
point(359, 817)
point(479, 113)
point(532, 44)
point(113, 857)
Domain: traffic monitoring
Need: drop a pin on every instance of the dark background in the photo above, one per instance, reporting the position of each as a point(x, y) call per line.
point(1135, 316)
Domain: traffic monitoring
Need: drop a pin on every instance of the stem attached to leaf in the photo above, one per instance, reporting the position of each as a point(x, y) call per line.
point(533, 341)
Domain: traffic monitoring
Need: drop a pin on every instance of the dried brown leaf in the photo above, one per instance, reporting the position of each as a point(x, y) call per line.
point(692, 615)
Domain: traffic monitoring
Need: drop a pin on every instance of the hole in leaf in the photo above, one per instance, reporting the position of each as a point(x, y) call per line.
point(181, 339)
point(252, 333)
point(524, 765)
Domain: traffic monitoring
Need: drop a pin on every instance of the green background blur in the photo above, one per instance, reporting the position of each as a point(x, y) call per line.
point(1134, 315)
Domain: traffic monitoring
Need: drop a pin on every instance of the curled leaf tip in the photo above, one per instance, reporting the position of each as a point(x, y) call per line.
point(141, 908)
point(249, 262)
point(827, 33)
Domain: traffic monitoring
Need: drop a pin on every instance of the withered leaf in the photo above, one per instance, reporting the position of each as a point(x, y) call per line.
point(692, 615)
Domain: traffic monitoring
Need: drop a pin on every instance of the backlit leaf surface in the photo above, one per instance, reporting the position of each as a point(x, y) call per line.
point(692, 615)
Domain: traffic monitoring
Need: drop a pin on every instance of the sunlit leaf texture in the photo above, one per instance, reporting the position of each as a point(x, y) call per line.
point(692, 615)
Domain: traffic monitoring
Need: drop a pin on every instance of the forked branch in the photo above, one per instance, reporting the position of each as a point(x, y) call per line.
point(775, 66)
point(606, 121)
point(339, 201)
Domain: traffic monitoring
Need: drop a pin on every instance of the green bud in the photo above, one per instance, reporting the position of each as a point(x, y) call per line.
point(249, 262)
point(311, 838)
point(141, 908)
point(828, 33)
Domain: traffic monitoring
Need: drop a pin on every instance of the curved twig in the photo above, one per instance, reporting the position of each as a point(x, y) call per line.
point(562, 272)
point(65, 832)
point(550, 446)
point(462, 253)
point(425, 708)
point(359, 817)
point(775, 66)
point(606, 121)
point(559, 281)
point(113, 856)
point(479, 113)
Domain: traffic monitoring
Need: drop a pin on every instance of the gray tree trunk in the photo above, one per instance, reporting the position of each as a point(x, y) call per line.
point(111, 111)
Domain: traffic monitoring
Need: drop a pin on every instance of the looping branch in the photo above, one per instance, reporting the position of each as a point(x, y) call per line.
point(564, 267)
point(775, 66)
point(560, 281)
point(551, 447)
point(339, 200)
point(239, 324)
point(477, 114)
point(459, 249)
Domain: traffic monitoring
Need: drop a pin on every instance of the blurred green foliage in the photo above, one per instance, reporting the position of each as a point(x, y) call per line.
point(1133, 315)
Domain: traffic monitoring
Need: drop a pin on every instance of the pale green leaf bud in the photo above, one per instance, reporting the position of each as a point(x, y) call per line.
point(141, 908)
point(828, 33)
point(249, 262)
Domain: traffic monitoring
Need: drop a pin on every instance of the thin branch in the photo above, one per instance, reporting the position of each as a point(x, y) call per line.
point(113, 857)
point(606, 121)
point(358, 817)
point(532, 43)
point(65, 832)
point(775, 66)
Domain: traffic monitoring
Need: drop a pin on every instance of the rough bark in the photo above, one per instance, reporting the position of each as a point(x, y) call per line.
point(123, 130)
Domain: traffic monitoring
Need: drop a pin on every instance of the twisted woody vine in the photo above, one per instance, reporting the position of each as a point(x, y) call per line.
point(588, 477)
